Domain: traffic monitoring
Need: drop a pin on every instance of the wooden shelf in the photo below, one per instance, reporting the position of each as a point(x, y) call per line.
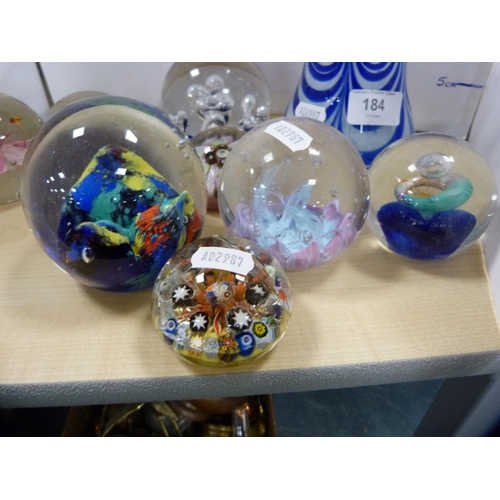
point(369, 317)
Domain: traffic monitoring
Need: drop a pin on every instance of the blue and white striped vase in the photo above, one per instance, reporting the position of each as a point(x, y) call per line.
point(367, 102)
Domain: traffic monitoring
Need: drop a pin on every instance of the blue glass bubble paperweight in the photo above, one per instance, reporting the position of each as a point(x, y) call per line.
point(432, 196)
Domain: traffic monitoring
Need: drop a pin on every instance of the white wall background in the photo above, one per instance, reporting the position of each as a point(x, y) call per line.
point(22, 81)
point(485, 137)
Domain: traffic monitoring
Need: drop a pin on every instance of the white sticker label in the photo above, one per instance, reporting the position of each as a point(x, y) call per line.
point(290, 135)
point(374, 107)
point(227, 259)
point(308, 110)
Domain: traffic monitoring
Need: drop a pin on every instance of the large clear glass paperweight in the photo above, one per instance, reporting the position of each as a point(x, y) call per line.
point(112, 190)
point(298, 188)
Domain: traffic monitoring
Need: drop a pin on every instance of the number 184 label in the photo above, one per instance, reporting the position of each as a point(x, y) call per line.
point(374, 107)
point(227, 259)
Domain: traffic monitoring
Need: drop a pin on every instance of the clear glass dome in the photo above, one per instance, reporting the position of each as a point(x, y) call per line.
point(432, 196)
point(111, 190)
point(199, 95)
point(18, 125)
point(298, 188)
point(221, 301)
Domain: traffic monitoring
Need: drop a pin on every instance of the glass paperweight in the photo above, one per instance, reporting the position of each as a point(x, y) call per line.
point(111, 190)
point(367, 102)
point(73, 97)
point(221, 301)
point(213, 147)
point(18, 125)
point(298, 188)
point(432, 196)
point(197, 96)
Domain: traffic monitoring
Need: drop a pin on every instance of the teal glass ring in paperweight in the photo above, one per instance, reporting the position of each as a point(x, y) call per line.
point(112, 190)
point(221, 301)
point(298, 188)
point(18, 125)
point(432, 196)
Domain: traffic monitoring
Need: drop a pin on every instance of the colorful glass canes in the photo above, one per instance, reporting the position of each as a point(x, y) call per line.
point(18, 125)
point(298, 188)
point(367, 102)
point(112, 190)
point(445, 195)
point(200, 95)
point(221, 301)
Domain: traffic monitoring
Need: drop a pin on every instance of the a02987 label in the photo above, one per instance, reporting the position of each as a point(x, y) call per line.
point(290, 135)
point(308, 110)
point(374, 107)
point(227, 259)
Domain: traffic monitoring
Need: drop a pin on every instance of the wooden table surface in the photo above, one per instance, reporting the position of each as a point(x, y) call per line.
point(365, 318)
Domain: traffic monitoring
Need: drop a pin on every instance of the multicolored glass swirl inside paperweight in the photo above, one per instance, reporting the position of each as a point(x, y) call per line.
point(18, 125)
point(432, 196)
point(298, 188)
point(367, 102)
point(112, 190)
point(221, 301)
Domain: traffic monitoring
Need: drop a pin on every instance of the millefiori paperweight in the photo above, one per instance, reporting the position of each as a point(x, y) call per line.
point(221, 301)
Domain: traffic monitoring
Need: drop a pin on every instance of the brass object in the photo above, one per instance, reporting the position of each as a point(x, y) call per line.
point(221, 417)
